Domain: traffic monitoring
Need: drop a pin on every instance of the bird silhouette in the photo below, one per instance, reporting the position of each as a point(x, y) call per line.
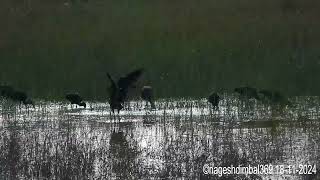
point(18, 96)
point(214, 99)
point(29, 101)
point(267, 95)
point(248, 92)
point(6, 91)
point(75, 98)
point(276, 97)
point(147, 95)
point(118, 92)
point(21, 97)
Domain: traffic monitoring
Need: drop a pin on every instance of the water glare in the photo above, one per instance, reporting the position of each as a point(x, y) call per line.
point(177, 140)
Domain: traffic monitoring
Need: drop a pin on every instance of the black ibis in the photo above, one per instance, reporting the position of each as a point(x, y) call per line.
point(29, 101)
point(6, 91)
point(268, 95)
point(279, 98)
point(75, 98)
point(21, 97)
point(214, 99)
point(18, 96)
point(248, 92)
point(275, 97)
point(118, 92)
point(147, 95)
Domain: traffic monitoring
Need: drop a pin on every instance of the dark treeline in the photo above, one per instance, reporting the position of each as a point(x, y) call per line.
point(188, 48)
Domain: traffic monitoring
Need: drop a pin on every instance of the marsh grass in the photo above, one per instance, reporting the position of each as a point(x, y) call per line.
point(182, 136)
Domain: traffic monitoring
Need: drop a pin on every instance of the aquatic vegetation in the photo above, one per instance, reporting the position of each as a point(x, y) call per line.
point(54, 141)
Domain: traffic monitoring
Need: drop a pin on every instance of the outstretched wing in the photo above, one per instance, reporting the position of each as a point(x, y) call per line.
point(125, 82)
point(113, 89)
point(113, 84)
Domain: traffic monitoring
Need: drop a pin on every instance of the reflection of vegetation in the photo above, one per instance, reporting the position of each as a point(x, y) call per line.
point(77, 147)
point(11, 154)
point(35, 157)
point(209, 44)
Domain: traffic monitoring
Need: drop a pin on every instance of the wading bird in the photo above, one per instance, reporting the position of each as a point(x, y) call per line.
point(21, 97)
point(75, 98)
point(214, 99)
point(147, 95)
point(6, 91)
point(118, 92)
point(18, 96)
point(29, 101)
point(278, 98)
point(267, 95)
point(248, 92)
point(275, 97)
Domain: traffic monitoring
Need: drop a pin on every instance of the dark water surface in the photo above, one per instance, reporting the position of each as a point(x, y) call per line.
point(178, 140)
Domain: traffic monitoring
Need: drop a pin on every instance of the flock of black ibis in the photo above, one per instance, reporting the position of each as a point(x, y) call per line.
point(118, 94)
point(10, 93)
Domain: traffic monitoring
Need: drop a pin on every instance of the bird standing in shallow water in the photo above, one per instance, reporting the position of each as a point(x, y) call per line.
point(114, 96)
point(6, 91)
point(147, 95)
point(248, 92)
point(275, 97)
point(281, 99)
point(277, 101)
point(29, 101)
point(21, 97)
point(267, 95)
point(118, 92)
point(75, 98)
point(214, 99)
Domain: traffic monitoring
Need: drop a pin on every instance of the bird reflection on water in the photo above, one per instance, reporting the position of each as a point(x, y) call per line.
point(176, 145)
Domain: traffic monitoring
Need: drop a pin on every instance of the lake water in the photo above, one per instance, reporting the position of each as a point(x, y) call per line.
point(182, 139)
